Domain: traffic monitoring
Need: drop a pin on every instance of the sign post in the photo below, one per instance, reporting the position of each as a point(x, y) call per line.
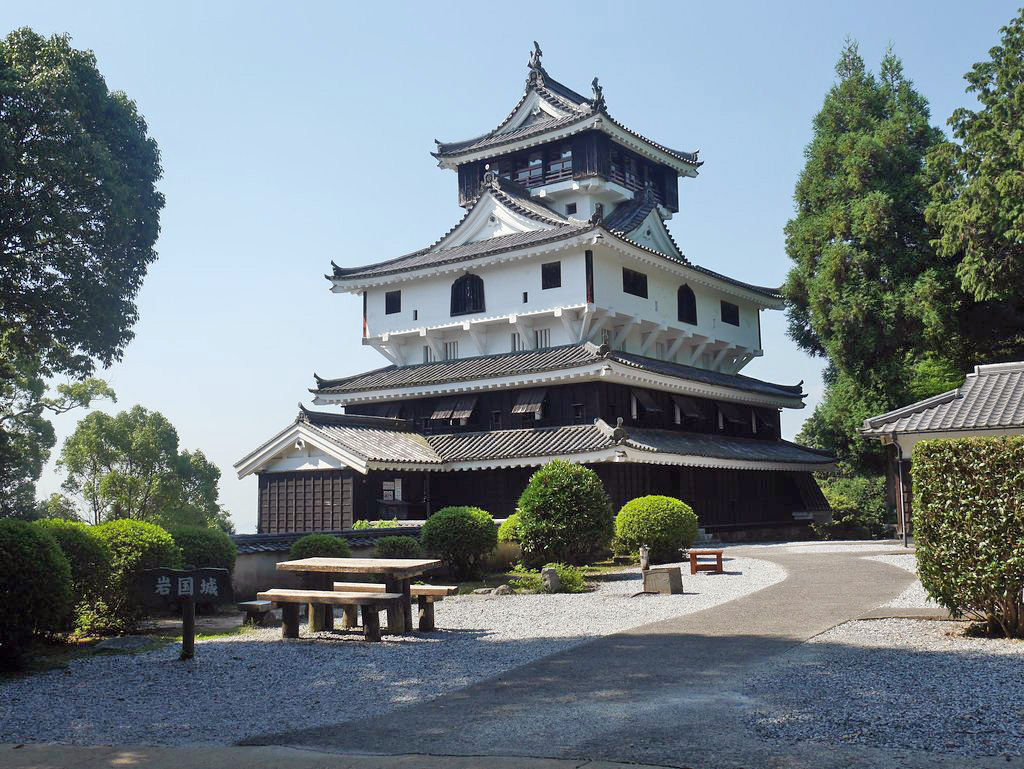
point(162, 588)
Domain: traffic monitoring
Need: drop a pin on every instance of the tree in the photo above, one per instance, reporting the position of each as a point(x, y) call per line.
point(977, 206)
point(79, 216)
point(129, 466)
point(860, 247)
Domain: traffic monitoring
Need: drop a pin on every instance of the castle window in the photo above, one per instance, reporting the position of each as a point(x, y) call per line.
point(428, 354)
point(517, 342)
point(530, 169)
point(392, 302)
point(495, 420)
point(578, 414)
point(543, 337)
point(559, 163)
point(570, 208)
point(730, 313)
point(451, 350)
point(468, 295)
point(687, 310)
point(551, 275)
point(634, 282)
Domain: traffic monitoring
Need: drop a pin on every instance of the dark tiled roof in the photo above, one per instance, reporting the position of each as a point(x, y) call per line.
point(552, 359)
point(629, 215)
point(500, 444)
point(723, 447)
point(282, 543)
point(463, 369)
point(494, 139)
point(990, 399)
point(737, 381)
point(774, 293)
point(388, 440)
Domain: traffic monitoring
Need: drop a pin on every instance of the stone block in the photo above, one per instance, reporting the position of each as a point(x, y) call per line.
point(552, 582)
point(667, 580)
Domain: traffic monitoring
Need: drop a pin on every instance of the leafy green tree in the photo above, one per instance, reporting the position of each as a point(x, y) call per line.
point(79, 216)
point(129, 466)
point(977, 206)
point(860, 247)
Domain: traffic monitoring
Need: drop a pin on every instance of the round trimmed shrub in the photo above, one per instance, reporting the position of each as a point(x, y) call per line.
point(134, 546)
point(665, 524)
point(510, 529)
point(461, 537)
point(564, 514)
point(203, 547)
point(35, 589)
point(319, 546)
point(398, 547)
point(87, 554)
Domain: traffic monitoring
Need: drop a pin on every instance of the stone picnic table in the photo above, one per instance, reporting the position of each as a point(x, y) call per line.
point(398, 574)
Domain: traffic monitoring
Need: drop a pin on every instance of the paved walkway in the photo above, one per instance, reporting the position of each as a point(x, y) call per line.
point(665, 694)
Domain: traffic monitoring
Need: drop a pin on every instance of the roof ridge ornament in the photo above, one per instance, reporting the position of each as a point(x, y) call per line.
point(619, 433)
point(536, 76)
point(597, 103)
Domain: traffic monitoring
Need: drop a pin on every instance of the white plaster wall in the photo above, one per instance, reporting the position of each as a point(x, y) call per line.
point(660, 306)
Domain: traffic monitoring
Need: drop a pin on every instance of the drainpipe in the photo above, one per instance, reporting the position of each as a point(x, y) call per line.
point(899, 480)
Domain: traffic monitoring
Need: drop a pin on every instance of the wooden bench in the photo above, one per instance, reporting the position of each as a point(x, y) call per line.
point(426, 596)
point(255, 611)
point(698, 565)
point(370, 601)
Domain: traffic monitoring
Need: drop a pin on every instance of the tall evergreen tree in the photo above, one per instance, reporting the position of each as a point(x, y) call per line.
point(861, 252)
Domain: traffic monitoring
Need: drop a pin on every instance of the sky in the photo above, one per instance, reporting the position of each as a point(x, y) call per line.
point(294, 134)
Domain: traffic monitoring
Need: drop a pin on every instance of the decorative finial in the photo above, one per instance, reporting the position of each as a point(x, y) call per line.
point(598, 101)
point(598, 216)
point(536, 76)
point(619, 433)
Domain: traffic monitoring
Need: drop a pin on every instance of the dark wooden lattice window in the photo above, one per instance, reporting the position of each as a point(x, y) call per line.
point(634, 282)
point(468, 295)
point(551, 275)
point(687, 305)
point(730, 313)
point(392, 302)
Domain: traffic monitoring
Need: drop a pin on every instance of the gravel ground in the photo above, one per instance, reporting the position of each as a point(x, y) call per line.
point(896, 683)
point(914, 597)
point(257, 683)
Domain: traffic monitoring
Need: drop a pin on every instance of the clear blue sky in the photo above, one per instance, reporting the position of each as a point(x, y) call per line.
point(296, 133)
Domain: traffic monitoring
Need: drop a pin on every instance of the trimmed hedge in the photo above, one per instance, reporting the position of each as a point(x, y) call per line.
point(398, 547)
point(665, 524)
point(510, 529)
point(87, 554)
point(461, 537)
point(134, 546)
point(564, 514)
point(319, 546)
point(203, 547)
point(969, 528)
point(35, 589)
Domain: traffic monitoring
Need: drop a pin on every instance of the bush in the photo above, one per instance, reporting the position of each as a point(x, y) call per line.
point(134, 546)
point(203, 547)
point(969, 528)
point(564, 514)
point(319, 546)
point(665, 524)
point(461, 537)
point(571, 577)
point(87, 554)
point(858, 508)
point(35, 589)
point(398, 547)
point(510, 529)
point(362, 524)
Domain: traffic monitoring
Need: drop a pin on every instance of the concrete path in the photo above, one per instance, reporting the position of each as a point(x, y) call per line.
point(665, 694)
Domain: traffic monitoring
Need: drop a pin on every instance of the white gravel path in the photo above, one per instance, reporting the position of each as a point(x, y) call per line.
point(897, 683)
point(914, 597)
point(257, 683)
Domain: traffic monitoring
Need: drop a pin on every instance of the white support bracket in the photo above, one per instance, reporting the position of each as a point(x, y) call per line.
point(651, 337)
point(476, 336)
point(625, 331)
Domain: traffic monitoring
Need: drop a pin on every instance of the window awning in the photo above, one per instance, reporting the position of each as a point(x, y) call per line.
point(464, 407)
point(644, 399)
point(733, 414)
point(765, 423)
point(688, 407)
point(443, 410)
point(530, 401)
point(389, 410)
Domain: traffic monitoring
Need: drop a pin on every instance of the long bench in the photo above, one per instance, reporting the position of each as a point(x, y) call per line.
point(426, 596)
point(370, 601)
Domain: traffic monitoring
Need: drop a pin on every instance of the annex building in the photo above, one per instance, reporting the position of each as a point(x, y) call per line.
point(557, 319)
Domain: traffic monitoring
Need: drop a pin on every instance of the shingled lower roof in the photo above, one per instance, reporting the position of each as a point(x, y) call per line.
point(723, 447)
point(992, 398)
point(535, 361)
